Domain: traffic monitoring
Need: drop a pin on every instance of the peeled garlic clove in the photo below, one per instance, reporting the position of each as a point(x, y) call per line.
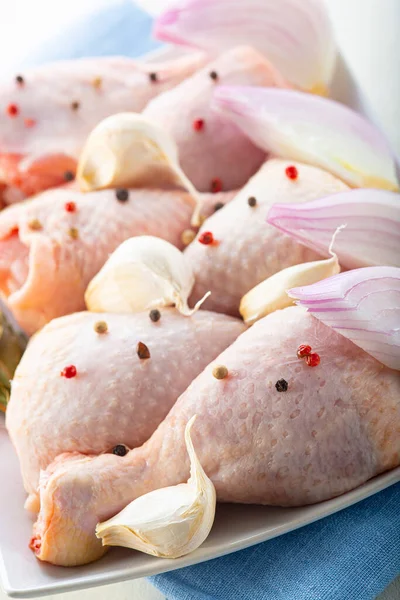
point(128, 150)
point(271, 294)
point(169, 522)
point(144, 272)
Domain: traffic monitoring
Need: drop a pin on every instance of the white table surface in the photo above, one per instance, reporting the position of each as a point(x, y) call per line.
point(368, 35)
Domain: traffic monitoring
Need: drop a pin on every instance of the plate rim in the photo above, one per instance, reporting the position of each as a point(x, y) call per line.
point(320, 511)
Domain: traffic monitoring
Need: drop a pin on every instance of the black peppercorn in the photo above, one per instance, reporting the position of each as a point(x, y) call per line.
point(20, 80)
point(214, 75)
point(120, 450)
point(153, 76)
point(69, 176)
point(281, 385)
point(252, 201)
point(155, 315)
point(122, 195)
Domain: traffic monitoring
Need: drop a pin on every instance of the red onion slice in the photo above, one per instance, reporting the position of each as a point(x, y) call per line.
point(295, 35)
point(306, 128)
point(371, 235)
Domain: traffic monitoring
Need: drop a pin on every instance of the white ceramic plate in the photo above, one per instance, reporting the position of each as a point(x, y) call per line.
point(236, 527)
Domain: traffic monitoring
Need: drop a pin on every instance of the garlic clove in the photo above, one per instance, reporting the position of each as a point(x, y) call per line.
point(169, 522)
point(128, 150)
point(271, 294)
point(144, 272)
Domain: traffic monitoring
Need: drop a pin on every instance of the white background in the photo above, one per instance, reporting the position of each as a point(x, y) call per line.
point(368, 33)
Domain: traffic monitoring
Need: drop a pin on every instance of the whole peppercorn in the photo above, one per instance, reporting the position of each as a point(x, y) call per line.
point(12, 110)
point(303, 350)
point(69, 176)
point(122, 195)
point(313, 359)
point(155, 315)
point(291, 172)
point(216, 185)
point(70, 207)
point(120, 450)
point(206, 238)
point(100, 327)
point(281, 385)
point(198, 124)
point(73, 233)
point(220, 372)
point(96, 82)
point(69, 372)
point(35, 225)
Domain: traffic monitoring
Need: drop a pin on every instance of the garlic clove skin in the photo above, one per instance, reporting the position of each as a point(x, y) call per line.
point(118, 150)
point(271, 294)
point(144, 272)
point(169, 522)
point(128, 150)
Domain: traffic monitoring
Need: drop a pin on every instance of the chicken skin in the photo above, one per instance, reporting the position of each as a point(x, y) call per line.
point(330, 429)
point(115, 398)
point(52, 245)
point(48, 112)
point(246, 250)
point(213, 153)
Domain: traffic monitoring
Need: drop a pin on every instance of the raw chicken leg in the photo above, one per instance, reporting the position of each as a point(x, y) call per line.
point(212, 151)
point(49, 111)
point(247, 250)
point(116, 398)
point(50, 249)
point(336, 426)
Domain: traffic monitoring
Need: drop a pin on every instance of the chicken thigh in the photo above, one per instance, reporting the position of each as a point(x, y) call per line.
point(115, 398)
point(49, 111)
point(213, 153)
point(52, 245)
point(328, 430)
point(246, 250)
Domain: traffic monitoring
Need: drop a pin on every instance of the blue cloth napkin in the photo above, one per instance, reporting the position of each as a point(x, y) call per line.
point(352, 555)
point(117, 28)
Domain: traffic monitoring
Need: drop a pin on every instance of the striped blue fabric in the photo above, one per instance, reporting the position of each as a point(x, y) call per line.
point(352, 555)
